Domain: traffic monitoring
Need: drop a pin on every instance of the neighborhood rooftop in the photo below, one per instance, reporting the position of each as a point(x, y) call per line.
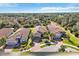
point(24, 32)
point(54, 28)
point(41, 29)
point(5, 32)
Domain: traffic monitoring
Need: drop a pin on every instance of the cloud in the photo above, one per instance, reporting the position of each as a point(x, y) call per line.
point(46, 10)
point(58, 9)
point(8, 4)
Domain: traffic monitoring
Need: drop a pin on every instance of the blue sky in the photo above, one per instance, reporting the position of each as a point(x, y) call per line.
point(38, 7)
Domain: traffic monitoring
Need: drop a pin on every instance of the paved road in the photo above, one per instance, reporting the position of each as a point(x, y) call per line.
point(2, 53)
point(54, 48)
point(49, 49)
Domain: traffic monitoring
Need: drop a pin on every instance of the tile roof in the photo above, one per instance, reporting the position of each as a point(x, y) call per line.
point(54, 28)
point(41, 29)
point(24, 32)
point(5, 32)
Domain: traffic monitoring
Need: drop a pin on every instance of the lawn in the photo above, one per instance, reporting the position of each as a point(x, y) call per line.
point(74, 39)
point(33, 30)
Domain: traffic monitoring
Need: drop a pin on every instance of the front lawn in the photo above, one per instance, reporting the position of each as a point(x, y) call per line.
point(75, 40)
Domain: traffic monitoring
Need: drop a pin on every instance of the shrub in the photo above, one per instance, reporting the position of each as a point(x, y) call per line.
point(2, 41)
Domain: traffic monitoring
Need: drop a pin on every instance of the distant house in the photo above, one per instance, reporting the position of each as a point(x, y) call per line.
point(5, 32)
point(56, 30)
point(21, 35)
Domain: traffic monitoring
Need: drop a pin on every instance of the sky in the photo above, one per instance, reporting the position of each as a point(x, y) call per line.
point(38, 7)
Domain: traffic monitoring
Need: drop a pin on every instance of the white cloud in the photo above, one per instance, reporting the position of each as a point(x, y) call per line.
point(8, 5)
point(59, 9)
point(46, 10)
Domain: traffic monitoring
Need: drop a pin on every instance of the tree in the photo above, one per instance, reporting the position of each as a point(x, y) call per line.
point(62, 49)
point(2, 25)
point(2, 41)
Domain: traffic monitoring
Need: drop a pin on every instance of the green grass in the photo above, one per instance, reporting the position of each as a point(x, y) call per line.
point(15, 50)
point(33, 30)
point(43, 46)
point(67, 42)
point(29, 42)
point(71, 46)
point(41, 42)
point(74, 39)
point(25, 53)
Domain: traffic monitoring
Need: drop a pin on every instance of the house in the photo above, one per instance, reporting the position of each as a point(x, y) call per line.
point(5, 32)
point(40, 30)
point(56, 30)
point(18, 37)
point(58, 36)
point(36, 37)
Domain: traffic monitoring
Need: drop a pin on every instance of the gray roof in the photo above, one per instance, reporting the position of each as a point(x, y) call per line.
point(11, 42)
